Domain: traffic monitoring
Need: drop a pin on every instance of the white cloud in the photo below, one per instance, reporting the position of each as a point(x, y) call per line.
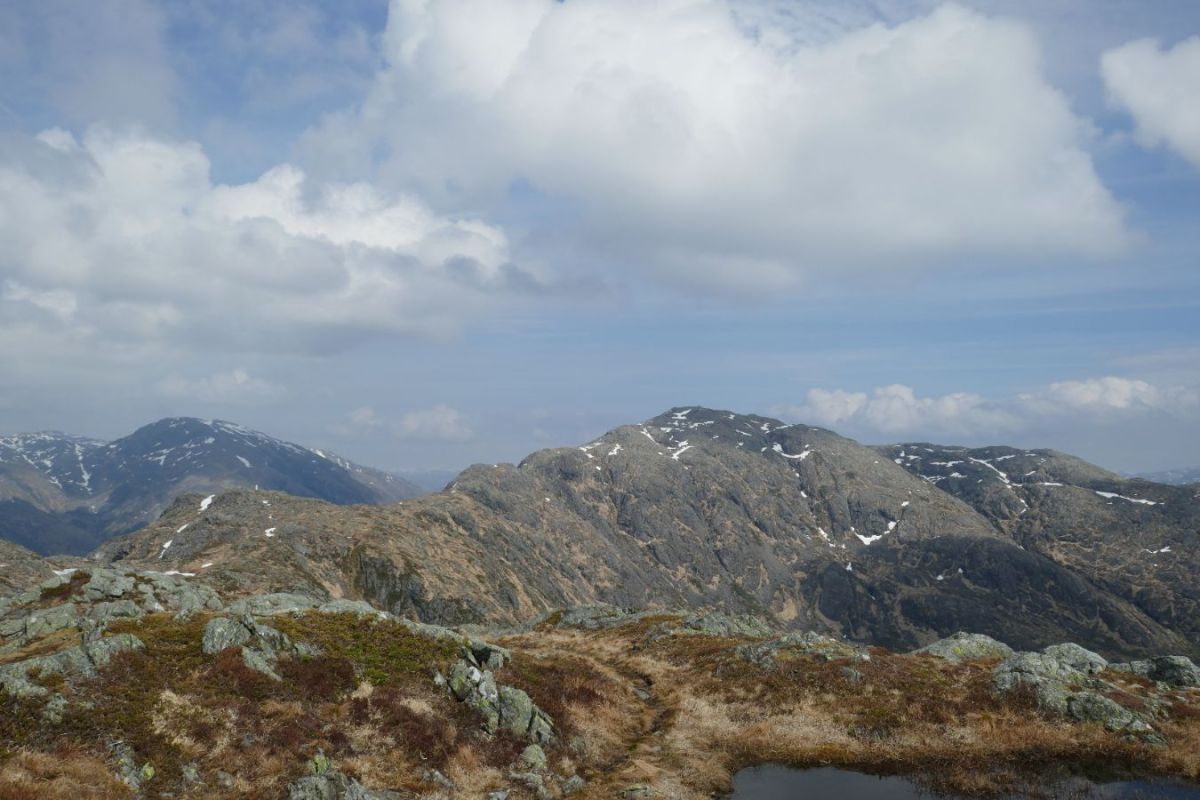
point(439, 423)
point(897, 410)
point(236, 385)
point(1110, 395)
point(1159, 88)
point(123, 236)
point(695, 145)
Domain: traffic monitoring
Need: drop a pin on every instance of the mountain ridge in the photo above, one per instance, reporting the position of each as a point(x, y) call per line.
point(705, 508)
point(68, 493)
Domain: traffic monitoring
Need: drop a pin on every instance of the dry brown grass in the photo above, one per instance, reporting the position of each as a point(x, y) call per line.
point(65, 774)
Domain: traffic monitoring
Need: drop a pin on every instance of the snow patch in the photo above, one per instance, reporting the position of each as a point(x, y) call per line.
point(1115, 496)
point(206, 502)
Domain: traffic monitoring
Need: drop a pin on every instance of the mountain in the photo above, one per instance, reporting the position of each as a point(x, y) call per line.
point(712, 509)
point(1177, 477)
point(66, 494)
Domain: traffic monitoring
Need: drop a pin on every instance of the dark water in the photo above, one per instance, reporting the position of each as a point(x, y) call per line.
point(772, 782)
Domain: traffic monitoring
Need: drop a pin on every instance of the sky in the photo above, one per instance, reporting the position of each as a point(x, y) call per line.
point(429, 233)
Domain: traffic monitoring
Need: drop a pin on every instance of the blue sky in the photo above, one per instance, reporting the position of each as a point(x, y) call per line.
point(432, 233)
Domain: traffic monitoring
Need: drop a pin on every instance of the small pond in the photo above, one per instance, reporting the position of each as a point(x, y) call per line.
point(772, 782)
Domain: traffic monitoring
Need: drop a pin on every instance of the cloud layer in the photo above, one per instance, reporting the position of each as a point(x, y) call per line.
point(727, 158)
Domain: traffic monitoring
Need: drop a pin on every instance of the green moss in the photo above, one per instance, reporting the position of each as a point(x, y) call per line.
point(383, 652)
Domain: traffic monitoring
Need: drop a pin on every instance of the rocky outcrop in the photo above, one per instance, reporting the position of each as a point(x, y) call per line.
point(503, 708)
point(967, 647)
point(1068, 680)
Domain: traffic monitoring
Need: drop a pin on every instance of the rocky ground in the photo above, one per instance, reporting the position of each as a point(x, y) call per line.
point(123, 684)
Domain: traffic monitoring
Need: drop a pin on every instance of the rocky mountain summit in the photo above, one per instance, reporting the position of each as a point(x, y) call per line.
point(147, 684)
point(66, 494)
point(739, 513)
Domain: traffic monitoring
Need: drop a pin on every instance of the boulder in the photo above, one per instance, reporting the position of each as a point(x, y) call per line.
point(718, 624)
point(1093, 707)
point(1174, 671)
point(267, 605)
point(533, 757)
point(1077, 658)
point(1051, 679)
point(810, 643)
point(107, 584)
point(222, 633)
point(964, 646)
point(258, 662)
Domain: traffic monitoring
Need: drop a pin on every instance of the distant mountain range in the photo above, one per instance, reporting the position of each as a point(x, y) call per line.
point(61, 493)
point(895, 545)
point(1176, 477)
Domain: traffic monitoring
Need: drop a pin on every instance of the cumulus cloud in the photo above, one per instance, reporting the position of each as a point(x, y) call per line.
point(897, 410)
point(236, 385)
point(1111, 395)
point(697, 144)
point(438, 423)
point(1159, 89)
point(123, 236)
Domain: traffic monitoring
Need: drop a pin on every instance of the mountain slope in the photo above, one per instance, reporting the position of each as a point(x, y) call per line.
point(695, 507)
point(1136, 539)
point(67, 494)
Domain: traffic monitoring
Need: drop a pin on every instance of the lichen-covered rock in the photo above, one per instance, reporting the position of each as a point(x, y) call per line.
point(107, 584)
point(334, 785)
point(1093, 707)
point(359, 608)
point(718, 624)
point(809, 643)
point(267, 605)
point(1078, 658)
point(533, 757)
point(1051, 679)
point(964, 646)
point(222, 633)
point(1174, 671)
point(259, 662)
point(101, 651)
point(486, 655)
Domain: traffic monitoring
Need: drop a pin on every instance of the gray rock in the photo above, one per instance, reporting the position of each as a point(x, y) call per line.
point(48, 620)
point(1078, 658)
point(638, 790)
point(1051, 679)
point(718, 624)
point(1174, 671)
point(101, 651)
point(499, 794)
point(516, 710)
point(809, 643)
point(222, 633)
point(485, 655)
point(329, 786)
point(533, 757)
point(1093, 707)
point(107, 584)
point(256, 661)
point(964, 646)
point(573, 784)
point(267, 605)
point(360, 608)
